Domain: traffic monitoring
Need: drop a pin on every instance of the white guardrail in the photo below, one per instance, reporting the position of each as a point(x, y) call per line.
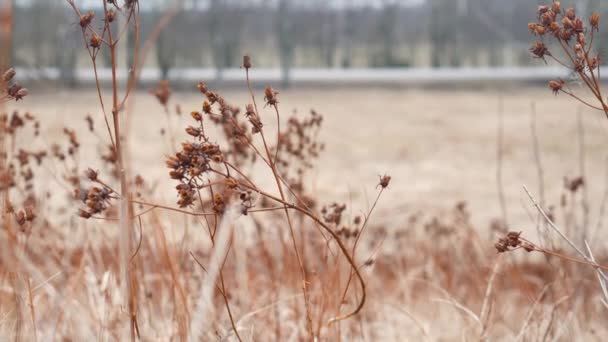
point(409, 76)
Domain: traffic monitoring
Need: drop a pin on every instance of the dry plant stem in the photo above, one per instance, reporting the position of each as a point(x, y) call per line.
point(357, 239)
point(499, 160)
point(93, 56)
point(587, 260)
point(222, 291)
point(204, 303)
point(600, 219)
point(530, 313)
point(582, 171)
point(602, 278)
point(221, 269)
point(484, 314)
point(328, 229)
point(32, 310)
point(275, 173)
point(571, 94)
point(125, 224)
point(542, 234)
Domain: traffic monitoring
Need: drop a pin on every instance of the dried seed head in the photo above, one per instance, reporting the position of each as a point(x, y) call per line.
point(556, 86)
point(567, 23)
point(110, 16)
point(206, 107)
point(384, 181)
point(17, 92)
point(196, 115)
point(556, 7)
point(219, 205)
point(539, 50)
point(162, 92)
point(86, 19)
point(23, 92)
point(231, 183)
point(95, 41)
point(540, 30)
point(193, 131)
point(202, 87)
point(571, 13)
point(554, 27)
point(29, 214)
point(594, 20)
point(547, 18)
point(84, 214)
point(91, 174)
point(8, 75)
point(246, 62)
point(20, 218)
point(270, 96)
point(573, 185)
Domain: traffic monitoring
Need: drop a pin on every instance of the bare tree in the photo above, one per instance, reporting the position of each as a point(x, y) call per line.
point(284, 30)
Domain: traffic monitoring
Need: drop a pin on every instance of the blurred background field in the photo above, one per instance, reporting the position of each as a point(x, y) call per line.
point(440, 143)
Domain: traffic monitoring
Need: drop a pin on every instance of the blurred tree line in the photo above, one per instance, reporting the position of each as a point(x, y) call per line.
point(297, 33)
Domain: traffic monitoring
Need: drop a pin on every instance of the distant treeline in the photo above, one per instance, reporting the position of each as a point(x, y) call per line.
point(290, 33)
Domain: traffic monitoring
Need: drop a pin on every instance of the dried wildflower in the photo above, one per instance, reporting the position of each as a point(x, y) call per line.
point(593, 63)
point(384, 181)
point(219, 205)
point(246, 62)
point(95, 41)
point(246, 202)
point(571, 13)
point(91, 174)
point(206, 107)
point(86, 19)
point(90, 123)
point(539, 50)
point(29, 214)
point(110, 16)
point(542, 9)
point(17, 92)
point(335, 215)
point(202, 87)
point(20, 218)
point(512, 241)
point(556, 7)
point(594, 21)
point(97, 199)
point(162, 92)
point(188, 165)
point(556, 86)
point(84, 214)
point(8, 75)
point(547, 18)
point(231, 183)
point(567, 23)
point(554, 27)
point(196, 115)
point(193, 131)
point(253, 119)
point(574, 184)
point(270, 96)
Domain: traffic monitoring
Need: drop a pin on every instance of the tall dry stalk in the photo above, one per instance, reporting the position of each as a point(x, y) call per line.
point(109, 39)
